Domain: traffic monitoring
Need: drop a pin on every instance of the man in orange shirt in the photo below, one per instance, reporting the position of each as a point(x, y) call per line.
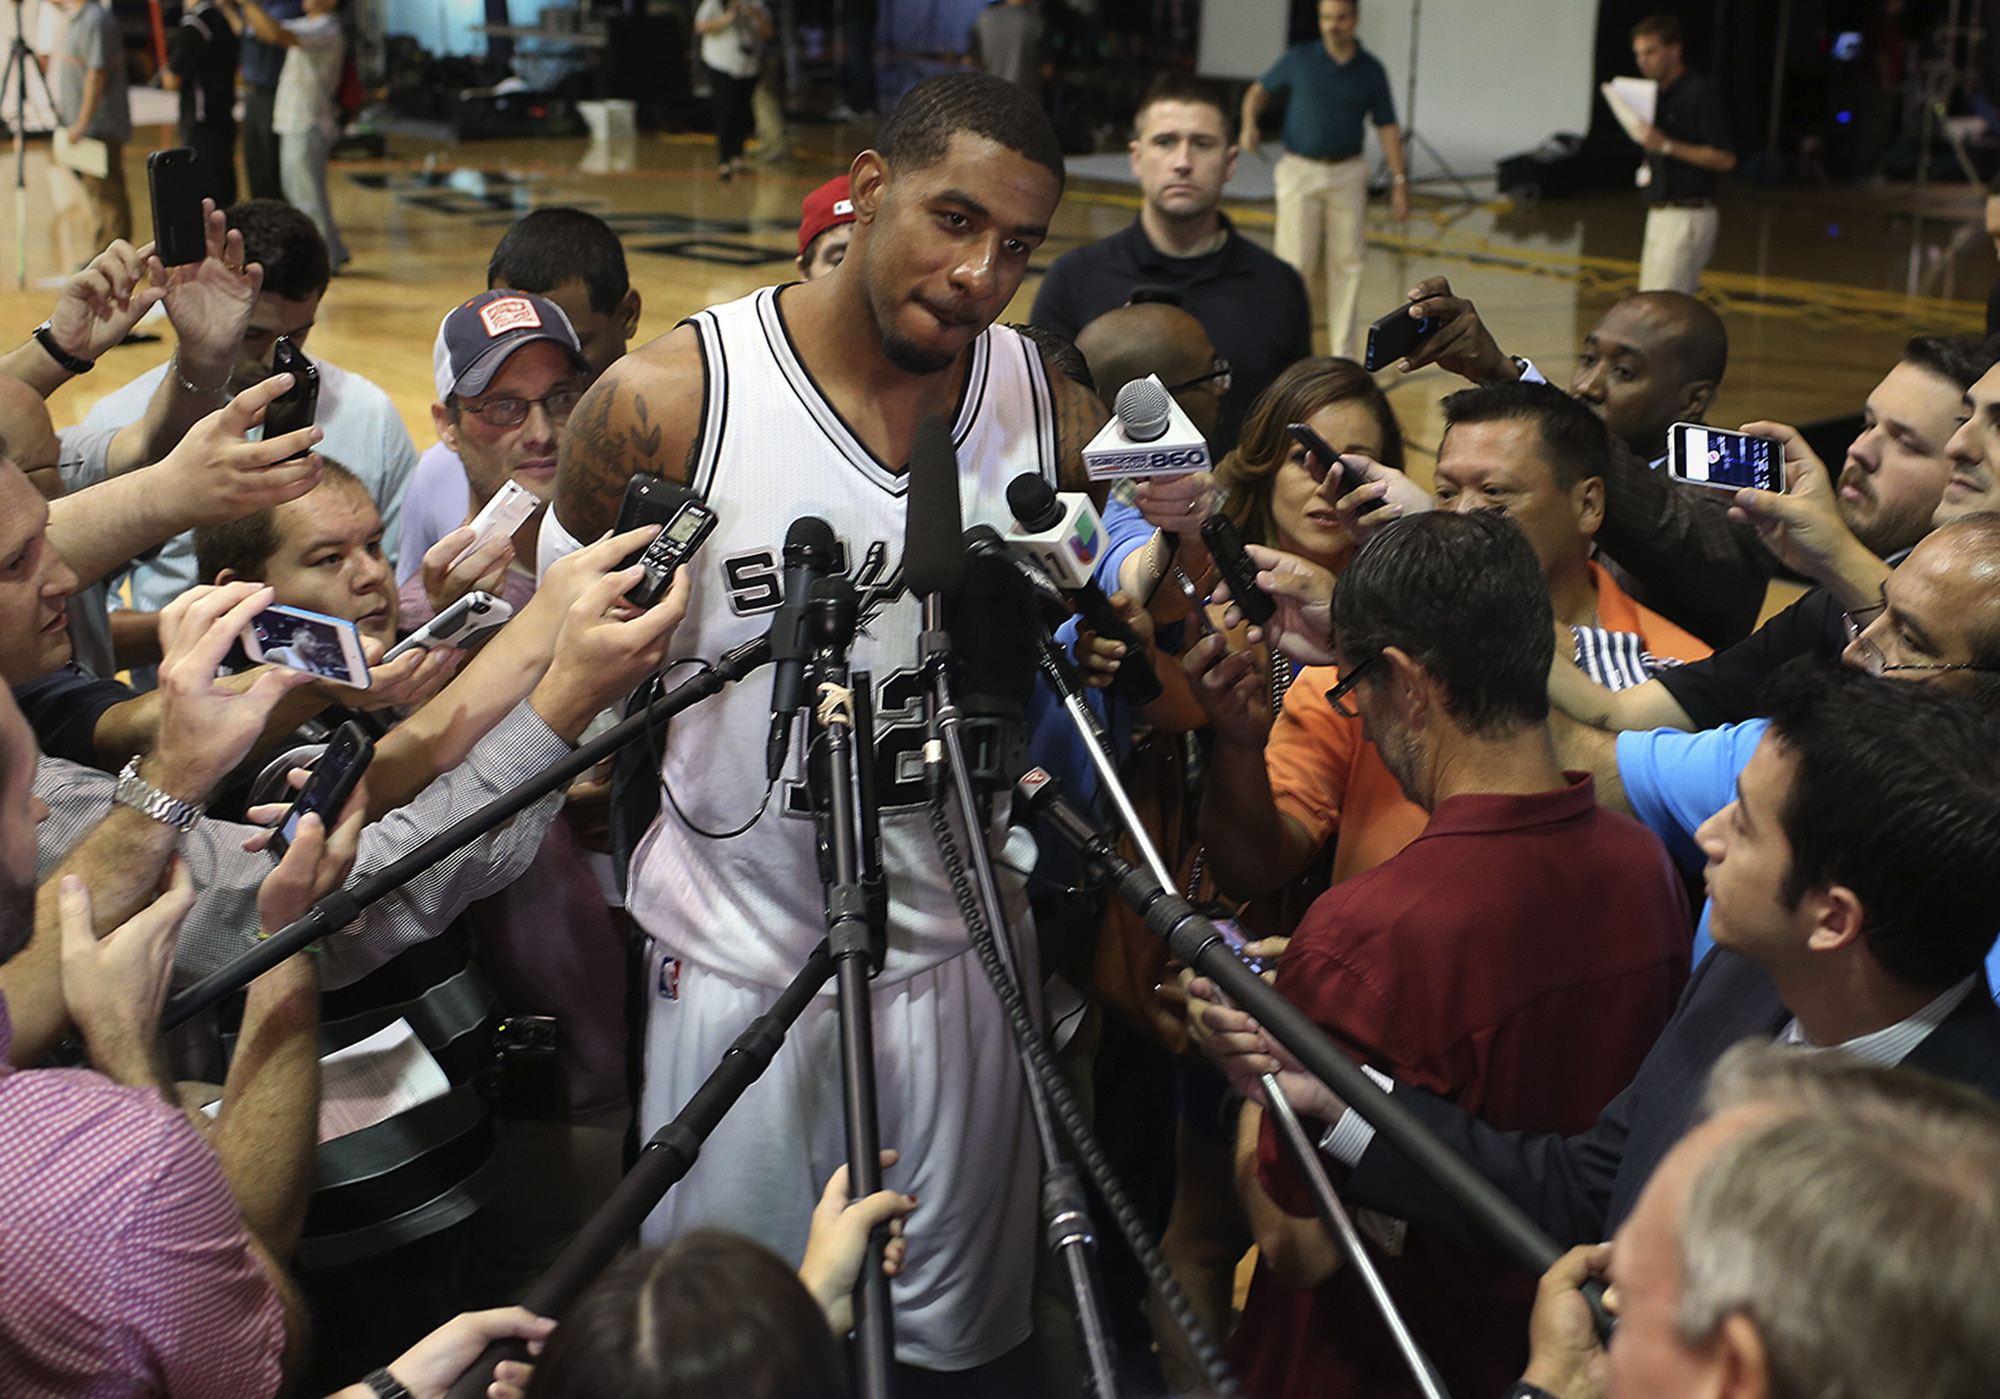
point(1276, 790)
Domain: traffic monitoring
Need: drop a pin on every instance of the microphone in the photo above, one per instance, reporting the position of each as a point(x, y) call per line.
point(1149, 435)
point(1064, 535)
point(1050, 600)
point(810, 551)
point(993, 628)
point(933, 552)
point(983, 541)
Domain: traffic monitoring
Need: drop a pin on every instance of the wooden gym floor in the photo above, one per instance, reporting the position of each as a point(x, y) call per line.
point(1819, 289)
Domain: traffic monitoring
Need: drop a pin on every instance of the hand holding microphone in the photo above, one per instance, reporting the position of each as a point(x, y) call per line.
point(1063, 533)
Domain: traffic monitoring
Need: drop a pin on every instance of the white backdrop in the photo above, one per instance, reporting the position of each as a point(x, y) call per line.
point(1493, 79)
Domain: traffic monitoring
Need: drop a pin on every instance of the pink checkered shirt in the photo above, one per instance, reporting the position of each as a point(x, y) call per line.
point(125, 1268)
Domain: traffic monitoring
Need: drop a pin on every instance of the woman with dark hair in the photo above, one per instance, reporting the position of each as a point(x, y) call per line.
point(714, 1315)
point(1273, 495)
point(711, 1315)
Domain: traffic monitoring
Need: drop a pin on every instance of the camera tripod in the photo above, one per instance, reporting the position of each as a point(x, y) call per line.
point(21, 61)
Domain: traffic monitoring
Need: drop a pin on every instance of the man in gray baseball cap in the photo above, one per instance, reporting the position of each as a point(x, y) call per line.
point(509, 369)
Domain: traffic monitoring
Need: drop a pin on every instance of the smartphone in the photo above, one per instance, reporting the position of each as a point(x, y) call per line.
point(506, 512)
point(685, 520)
point(310, 641)
point(1395, 336)
point(1350, 476)
point(1241, 574)
point(179, 235)
point(1724, 461)
point(298, 405)
point(1233, 935)
point(331, 784)
point(470, 616)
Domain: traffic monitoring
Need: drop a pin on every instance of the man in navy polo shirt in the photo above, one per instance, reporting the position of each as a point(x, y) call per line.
point(1253, 306)
point(1322, 180)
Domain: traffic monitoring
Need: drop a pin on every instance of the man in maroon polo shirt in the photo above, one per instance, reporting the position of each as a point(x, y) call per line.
point(1518, 957)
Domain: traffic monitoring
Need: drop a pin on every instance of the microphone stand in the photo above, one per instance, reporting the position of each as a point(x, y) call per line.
point(1298, 1147)
point(856, 939)
point(1066, 1215)
point(669, 1155)
point(1198, 944)
point(343, 906)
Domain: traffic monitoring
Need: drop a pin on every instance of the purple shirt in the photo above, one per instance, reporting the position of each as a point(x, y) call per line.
point(125, 1268)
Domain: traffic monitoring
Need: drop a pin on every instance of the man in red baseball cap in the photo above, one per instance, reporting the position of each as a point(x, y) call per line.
point(826, 222)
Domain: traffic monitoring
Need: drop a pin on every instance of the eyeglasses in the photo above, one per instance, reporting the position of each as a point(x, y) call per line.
point(1876, 663)
point(1220, 374)
point(1337, 696)
point(512, 412)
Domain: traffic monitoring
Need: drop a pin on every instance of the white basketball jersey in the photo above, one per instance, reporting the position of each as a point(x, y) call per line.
point(773, 449)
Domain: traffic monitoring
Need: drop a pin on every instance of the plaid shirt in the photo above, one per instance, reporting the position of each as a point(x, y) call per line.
point(125, 1268)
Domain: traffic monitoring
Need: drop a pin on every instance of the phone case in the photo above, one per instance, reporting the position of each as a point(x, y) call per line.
point(178, 234)
point(297, 406)
point(333, 781)
point(1227, 547)
point(1394, 336)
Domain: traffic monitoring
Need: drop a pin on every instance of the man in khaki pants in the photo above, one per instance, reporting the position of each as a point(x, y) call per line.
point(1322, 179)
point(91, 93)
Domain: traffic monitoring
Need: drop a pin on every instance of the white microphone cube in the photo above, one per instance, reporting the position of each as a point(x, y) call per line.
point(1114, 456)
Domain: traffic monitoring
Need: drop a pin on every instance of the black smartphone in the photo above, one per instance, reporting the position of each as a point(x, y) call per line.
point(331, 784)
point(685, 520)
point(179, 236)
point(1350, 476)
point(1394, 336)
point(296, 406)
point(1719, 460)
point(1237, 570)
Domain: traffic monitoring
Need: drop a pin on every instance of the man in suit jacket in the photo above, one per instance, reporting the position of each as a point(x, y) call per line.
point(1855, 892)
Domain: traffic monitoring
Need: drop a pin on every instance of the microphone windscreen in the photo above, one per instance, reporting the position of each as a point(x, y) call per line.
point(1033, 502)
point(810, 543)
point(1144, 409)
point(933, 552)
point(993, 627)
point(1054, 607)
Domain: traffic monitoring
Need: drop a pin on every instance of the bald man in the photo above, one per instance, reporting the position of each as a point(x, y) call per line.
point(1132, 342)
point(1654, 359)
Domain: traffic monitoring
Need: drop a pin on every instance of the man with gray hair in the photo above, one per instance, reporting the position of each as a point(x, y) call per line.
point(1830, 1230)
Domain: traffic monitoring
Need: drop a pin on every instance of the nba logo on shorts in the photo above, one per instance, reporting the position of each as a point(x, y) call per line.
point(670, 979)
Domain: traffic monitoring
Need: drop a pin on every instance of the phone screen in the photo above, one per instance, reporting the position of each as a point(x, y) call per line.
point(310, 641)
point(1728, 460)
point(332, 782)
point(1233, 935)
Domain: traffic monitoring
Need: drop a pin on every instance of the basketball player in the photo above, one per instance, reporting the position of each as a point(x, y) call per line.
point(804, 400)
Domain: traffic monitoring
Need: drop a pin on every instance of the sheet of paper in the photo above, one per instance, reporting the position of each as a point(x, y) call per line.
point(89, 156)
point(373, 1079)
point(1634, 101)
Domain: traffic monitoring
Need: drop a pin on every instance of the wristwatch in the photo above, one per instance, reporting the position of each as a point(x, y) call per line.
point(45, 337)
point(386, 1385)
point(146, 799)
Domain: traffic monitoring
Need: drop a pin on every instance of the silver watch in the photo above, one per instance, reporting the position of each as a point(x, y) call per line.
point(146, 799)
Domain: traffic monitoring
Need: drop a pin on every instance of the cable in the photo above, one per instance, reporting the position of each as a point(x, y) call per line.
point(1074, 1127)
point(656, 749)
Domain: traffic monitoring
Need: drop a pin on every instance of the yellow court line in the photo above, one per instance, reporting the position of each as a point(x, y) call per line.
point(1829, 302)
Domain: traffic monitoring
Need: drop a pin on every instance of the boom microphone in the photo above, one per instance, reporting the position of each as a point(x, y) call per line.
point(1064, 535)
point(810, 551)
point(933, 553)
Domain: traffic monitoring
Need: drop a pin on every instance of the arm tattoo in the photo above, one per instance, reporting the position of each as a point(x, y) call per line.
point(612, 435)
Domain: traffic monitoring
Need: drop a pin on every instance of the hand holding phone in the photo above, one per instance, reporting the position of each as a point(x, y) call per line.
point(472, 615)
point(1394, 336)
point(1237, 569)
point(1719, 460)
point(1351, 476)
point(310, 641)
point(332, 782)
point(685, 520)
point(297, 406)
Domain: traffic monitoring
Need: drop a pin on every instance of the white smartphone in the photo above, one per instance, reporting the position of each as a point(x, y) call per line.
point(509, 509)
point(310, 641)
point(1724, 461)
point(472, 614)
